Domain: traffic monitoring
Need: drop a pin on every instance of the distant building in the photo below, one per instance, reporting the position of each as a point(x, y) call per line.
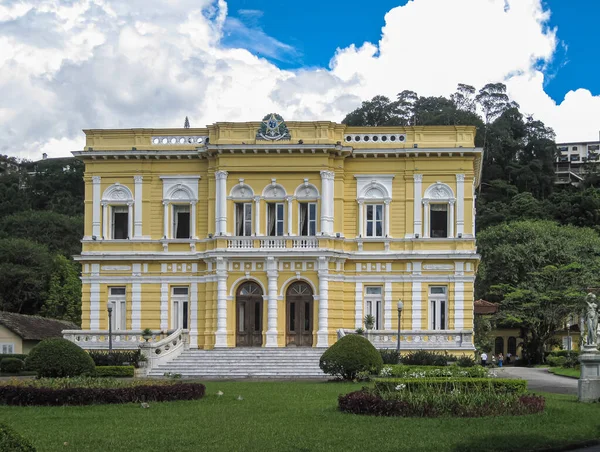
point(572, 159)
point(19, 333)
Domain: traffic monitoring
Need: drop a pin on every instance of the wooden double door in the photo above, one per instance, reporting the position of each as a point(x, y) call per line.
point(299, 315)
point(249, 315)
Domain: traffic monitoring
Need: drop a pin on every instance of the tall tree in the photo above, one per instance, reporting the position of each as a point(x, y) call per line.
point(406, 101)
point(64, 292)
point(379, 111)
point(464, 98)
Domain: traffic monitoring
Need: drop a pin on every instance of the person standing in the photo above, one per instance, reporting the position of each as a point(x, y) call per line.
point(500, 360)
point(484, 359)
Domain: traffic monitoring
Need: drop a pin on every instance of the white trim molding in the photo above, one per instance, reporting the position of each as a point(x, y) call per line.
point(418, 193)
point(327, 196)
point(96, 187)
point(460, 205)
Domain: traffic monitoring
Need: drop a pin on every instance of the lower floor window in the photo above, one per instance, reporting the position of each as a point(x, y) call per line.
point(438, 308)
point(374, 305)
point(7, 349)
point(180, 308)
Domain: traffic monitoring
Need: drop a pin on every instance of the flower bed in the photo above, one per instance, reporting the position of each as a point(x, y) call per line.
point(403, 371)
point(87, 391)
point(445, 385)
point(428, 404)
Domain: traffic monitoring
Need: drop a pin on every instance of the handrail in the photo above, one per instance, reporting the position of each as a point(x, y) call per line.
point(166, 349)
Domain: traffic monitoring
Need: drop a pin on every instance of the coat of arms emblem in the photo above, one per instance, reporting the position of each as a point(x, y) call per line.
point(273, 128)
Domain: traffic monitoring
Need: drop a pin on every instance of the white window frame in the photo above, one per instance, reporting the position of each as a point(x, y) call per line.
point(118, 301)
point(374, 305)
point(7, 348)
point(123, 208)
point(278, 220)
point(179, 303)
point(374, 221)
point(174, 208)
point(447, 204)
point(309, 218)
point(438, 303)
point(246, 223)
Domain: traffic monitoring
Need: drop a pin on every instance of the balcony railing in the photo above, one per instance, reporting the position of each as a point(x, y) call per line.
point(306, 243)
point(419, 339)
point(240, 244)
point(121, 340)
point(273, 243)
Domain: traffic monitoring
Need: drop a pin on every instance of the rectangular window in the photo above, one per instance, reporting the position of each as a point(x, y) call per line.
point(374, 305)
point(7, 349)
point(439, 220)
point(120, 222)
point(374, 220)
point(308, 218)
point(438, 308)
point(243, 219)
point(574, 158)
point(118, 303)
point(181, 221)
point(275, 219)
point(180, 303)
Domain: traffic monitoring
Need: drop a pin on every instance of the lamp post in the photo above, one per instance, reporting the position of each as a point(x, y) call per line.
point(569, 337)
point(109, 308)
point(400, 306)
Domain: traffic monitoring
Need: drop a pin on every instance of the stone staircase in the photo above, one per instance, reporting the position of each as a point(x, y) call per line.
point(239, 363)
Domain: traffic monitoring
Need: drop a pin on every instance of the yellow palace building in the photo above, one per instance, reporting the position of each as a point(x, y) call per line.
point(275, 234)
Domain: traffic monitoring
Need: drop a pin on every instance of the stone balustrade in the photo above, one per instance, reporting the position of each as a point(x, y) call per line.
point(166, 349)
point(121, 340)
point(419, 339)
point(271, 243)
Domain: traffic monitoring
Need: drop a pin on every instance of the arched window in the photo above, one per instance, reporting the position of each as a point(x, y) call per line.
point(438, 206)
point(242, 196)
point(275, 195)
point(374, 200)
point(512, 346)
point(307, 196)
point(182, 204)
point(117, 213)
point(499, 345)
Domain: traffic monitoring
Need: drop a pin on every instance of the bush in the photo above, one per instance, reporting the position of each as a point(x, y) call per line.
point(465, 361)
point(117, 358)
point(442, 385)
point(556, 361)
point(437, 371)
point(13, 355)
point(389, 356)
point(11, 441)
point(83, 382)
point(115, 371)
point(11, 365)
point(564, 353)
point(27, 395)
point(456, 404)
point(349, 356)
point(59, 358)
point(425, 358)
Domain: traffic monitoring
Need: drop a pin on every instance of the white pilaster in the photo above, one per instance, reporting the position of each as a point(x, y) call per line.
point(386, 231)
point(426, 218)
point(451, 218)
point(221, 203)
point(129, 220)
point(164, 306)
point(105, 221)
point(221, 334)
point(136, 298)
point(418, 179)
point(95, 301)
point(327, 178)
point(361, 218)
point(137, 207)
point(459, 305)
point(194, 315)
point(166, 219)
point(358, 305)
point(289, 200)
point(96, 180)
point(272, 275)
point(416, 298)
point(387, 306)
point(460, 204)
point(257, 215)
point(193, 219)
point(323, 272)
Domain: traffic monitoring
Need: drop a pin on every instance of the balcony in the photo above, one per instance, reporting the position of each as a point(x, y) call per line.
point(273, 243)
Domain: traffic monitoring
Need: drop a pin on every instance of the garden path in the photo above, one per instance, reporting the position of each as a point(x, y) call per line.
point(539, 379)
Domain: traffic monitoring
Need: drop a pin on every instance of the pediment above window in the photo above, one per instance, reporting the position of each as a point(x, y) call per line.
point(439, 191)
point(274, 191)
point(307, 191)
point(117, 193)
point(241, 191)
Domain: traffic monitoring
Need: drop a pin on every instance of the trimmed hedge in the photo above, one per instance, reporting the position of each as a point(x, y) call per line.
point(116, 358)
point(564, 353)
point(11, 365)
point(466, 361)
point(32, 396)
point(11, 441)
point(424, 358)
point(349, 356)
point(389, 356)
point(498, 385)
point(55, 358)
point(402, 371)
point(13, 355)
point(115, 371)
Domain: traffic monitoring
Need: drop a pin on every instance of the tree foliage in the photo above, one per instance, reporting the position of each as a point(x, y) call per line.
point(64, 292)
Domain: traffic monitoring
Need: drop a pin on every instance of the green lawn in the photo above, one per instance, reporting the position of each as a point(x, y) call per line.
point(302, 416)
point(573, 373)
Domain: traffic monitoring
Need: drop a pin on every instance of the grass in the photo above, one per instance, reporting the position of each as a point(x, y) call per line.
point(290, 416)
point(573, 373)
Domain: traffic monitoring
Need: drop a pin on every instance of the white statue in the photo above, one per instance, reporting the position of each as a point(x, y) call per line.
point(591, 319)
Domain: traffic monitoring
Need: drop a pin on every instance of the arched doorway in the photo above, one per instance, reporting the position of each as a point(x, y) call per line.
point(499, 345)
point(299, 314)
point(249, 309)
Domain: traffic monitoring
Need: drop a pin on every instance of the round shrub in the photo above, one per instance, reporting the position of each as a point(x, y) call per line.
point(349, 356)
point(55, 358)
point(11, 441)
point(11, 365)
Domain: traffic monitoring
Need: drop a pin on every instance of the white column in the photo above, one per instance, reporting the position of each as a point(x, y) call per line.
point(358, 305)
point(257, 215)
point(166, 219)
point(459, 300)
point(387, 306)
point(361, 218)
point(323, 332)
point(194, 315)
point(193, 219)
point(426, 218)
point(136, 298)
point(451, 218)
point(129, 220)
point(221, 203)
point(137, 207)
point(386, 232)
point(164, 306)
point(221, 335)
point(460, 204)
point(327, 178)
point(105, 221)
point(416, 303)
point(272, 275)
point(289, 200)
point(96, 180)
point(95, 303)
point(418, 179)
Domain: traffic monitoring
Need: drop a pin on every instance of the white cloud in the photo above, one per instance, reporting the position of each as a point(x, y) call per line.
point(66, 65)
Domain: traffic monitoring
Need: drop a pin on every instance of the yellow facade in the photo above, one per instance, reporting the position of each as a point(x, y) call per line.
point(338, 222)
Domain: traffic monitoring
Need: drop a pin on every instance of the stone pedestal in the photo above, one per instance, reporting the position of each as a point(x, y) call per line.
point(589, 381)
